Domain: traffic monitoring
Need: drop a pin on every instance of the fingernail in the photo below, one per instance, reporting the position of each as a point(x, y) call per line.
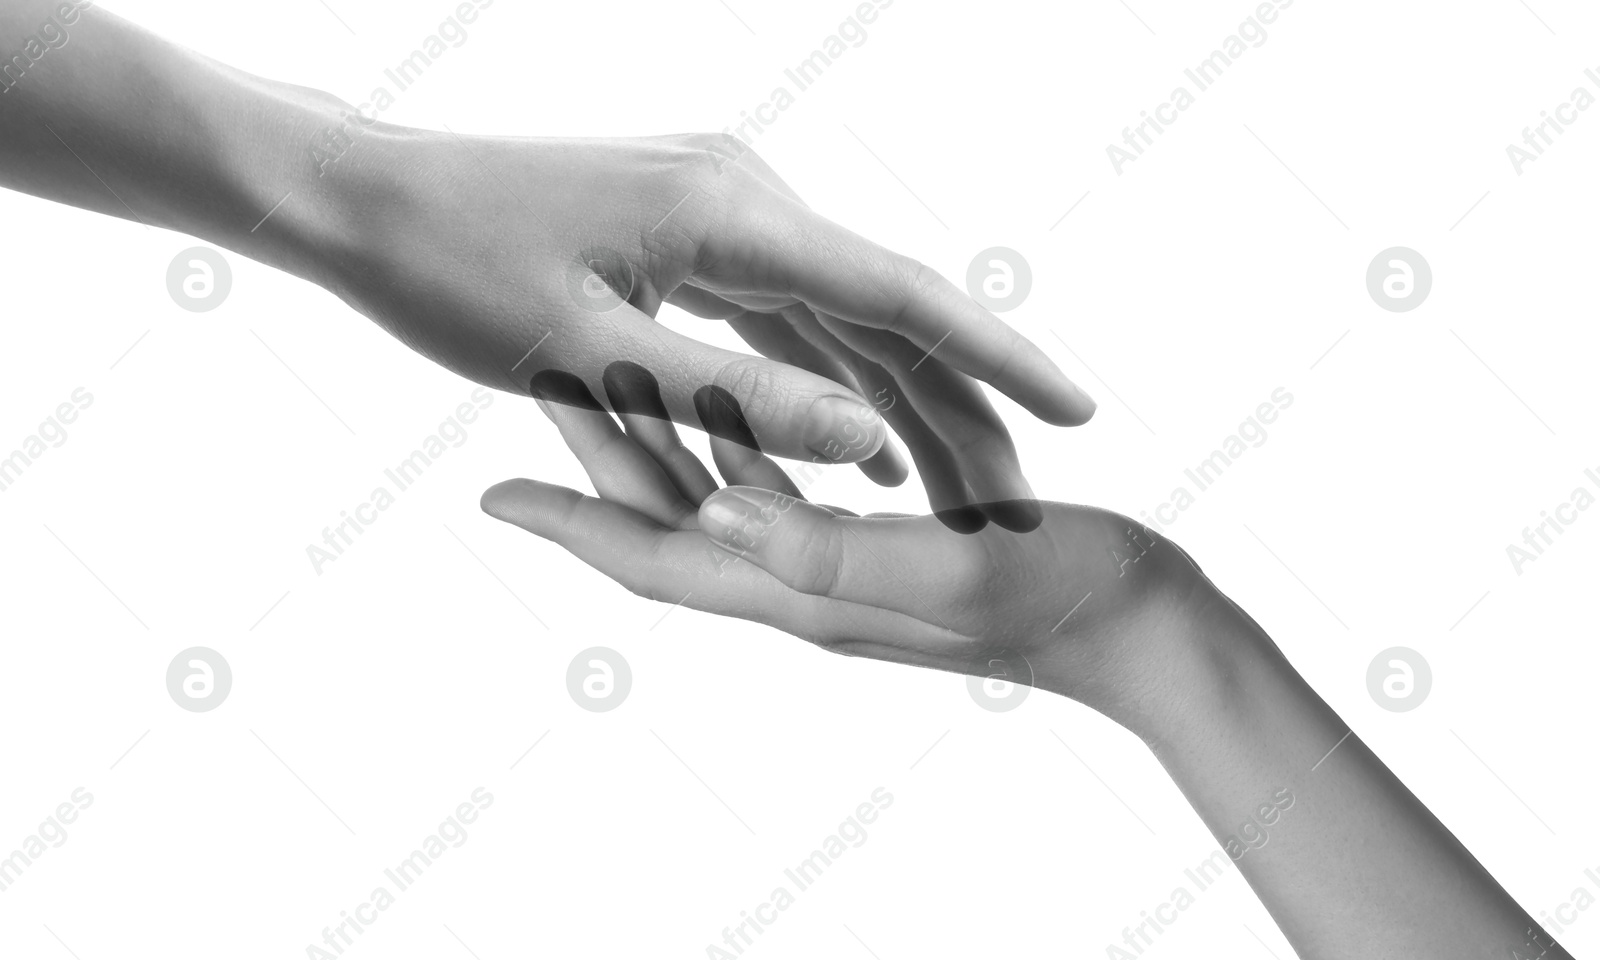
point(736, 519)
point(842, 430)
point(723, 518)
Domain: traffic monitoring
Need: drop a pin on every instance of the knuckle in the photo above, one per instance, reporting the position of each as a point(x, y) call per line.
point(714, 155)
point(756, 385)
point(998, 374)
point(920, 277)
point(813, 568)
point(913, 279)
point(611, 448)
point(640, 578)
point(729, 145)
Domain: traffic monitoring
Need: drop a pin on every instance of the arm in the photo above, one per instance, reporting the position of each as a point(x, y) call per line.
point(116, 120)
point(1350, 863)
point(503, 258)
point(1088, 605)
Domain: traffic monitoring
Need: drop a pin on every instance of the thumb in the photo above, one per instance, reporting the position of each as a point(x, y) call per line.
point(912, 565)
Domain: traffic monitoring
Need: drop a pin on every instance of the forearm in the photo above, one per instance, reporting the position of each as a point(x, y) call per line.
point(1344, 857)
point(101, 114)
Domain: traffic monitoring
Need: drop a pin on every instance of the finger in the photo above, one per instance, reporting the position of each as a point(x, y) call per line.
point(912, 566)
point(733, 449)
point(628, 547)
point(941, 471)
point(773, 336)
point(954, 406)
point(620, 469)
point(741, 466)
point(831, 269)
point(887, 467)
point(750, 160)
point(949, 497)
point(682, 567)
point(636, 397)
point(702, 303)
point(791, 412)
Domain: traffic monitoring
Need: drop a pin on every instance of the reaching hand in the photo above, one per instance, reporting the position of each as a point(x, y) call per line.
point(1079, 605)
point(504, 258)
point(1087, 605)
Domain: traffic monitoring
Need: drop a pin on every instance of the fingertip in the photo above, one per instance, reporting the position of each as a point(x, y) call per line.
point(559, 386)
point(519, 501)
point(496, 500)
point(632, 389)
point(742, 499)
point(1083, 407)
point(737, 518)
point(722, 519)
point(1064, 405)
point(844, 430)
point(1018, 516)
point(887, 467)
point(721, 416)
point(742, 466)
point(964, 520)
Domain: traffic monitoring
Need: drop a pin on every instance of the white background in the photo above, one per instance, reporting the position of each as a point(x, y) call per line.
point(1189, 287)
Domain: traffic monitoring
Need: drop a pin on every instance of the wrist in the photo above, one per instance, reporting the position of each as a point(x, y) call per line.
point(308, 201)
point(1243, 707)
point(1204, 660)
point(1157, 647)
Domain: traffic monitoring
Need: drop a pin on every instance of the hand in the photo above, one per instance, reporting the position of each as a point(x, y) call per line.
point(1085, 605)
point(503, 258)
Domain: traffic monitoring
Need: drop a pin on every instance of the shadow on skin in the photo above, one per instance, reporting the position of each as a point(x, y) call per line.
point(632, 389)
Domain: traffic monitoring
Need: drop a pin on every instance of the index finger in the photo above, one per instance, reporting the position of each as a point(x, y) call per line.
point(807, 256)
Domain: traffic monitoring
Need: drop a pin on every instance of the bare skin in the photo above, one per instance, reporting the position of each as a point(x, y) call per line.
point(1090, 605)
point(501, 257)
